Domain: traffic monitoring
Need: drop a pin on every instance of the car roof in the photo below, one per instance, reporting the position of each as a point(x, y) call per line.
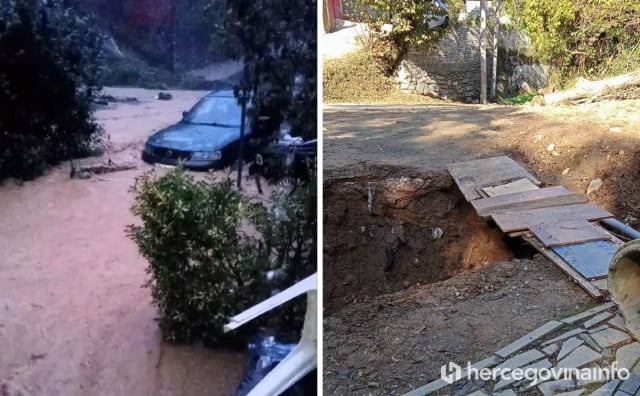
point(223, 93)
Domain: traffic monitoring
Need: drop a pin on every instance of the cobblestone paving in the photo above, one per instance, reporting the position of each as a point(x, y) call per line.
point(596, 338)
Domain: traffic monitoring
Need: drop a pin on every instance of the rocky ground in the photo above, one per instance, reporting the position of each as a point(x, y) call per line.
point(389, 332)
point(594, 346)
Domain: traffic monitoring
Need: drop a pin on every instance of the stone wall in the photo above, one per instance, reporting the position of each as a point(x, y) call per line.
point(451, 69)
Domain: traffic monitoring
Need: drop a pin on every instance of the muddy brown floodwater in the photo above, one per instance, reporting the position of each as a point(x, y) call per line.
point(74, 319)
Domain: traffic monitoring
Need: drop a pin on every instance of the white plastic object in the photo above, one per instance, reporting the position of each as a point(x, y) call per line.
point(305, 285)
point(304, 357)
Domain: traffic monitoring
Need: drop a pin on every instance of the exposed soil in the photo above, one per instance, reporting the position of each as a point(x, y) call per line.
point(408, 210)
point(74, 319)
point(397, 342)
point(389, 332)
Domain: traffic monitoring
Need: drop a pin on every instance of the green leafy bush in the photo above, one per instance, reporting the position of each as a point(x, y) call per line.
point(289, 234)
point(203, 269)
point(209, 250)
point(582, 38)
point(49, 74)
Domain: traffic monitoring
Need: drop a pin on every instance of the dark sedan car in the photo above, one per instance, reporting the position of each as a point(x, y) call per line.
point(208, 136)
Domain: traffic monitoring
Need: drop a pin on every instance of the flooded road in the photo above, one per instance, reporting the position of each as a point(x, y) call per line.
point(74, 319)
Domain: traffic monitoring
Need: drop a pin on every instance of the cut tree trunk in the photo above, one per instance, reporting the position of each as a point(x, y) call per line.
point(626, 86)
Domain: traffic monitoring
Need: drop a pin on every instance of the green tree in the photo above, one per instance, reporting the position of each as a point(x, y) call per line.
point(50, 57)
point(277, 41)
point(550, 24)
point(581, 38)
point(396, 26)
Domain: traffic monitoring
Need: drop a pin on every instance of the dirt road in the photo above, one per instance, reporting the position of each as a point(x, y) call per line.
point(457, 297)
point(74, 319)
point(590, 141)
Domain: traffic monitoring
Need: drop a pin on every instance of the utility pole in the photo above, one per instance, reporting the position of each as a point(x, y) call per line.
point(496, 33)
point(483, 51)
point(243, 103)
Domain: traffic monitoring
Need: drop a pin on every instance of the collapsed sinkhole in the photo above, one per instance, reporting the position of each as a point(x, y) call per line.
point(382, 234)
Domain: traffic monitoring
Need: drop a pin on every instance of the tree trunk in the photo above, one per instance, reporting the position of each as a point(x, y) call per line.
point(591, 91)
point(496, 33)
point(483, 51)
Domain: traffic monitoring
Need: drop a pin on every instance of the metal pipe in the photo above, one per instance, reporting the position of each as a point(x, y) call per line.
point(623, 228)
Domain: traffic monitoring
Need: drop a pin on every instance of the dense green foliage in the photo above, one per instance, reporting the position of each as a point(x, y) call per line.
point(289, 233)
point(582, 38)
point(208, 250)
point(394, 27)
point(277, 40)
point(202, 269)
point(49, 73)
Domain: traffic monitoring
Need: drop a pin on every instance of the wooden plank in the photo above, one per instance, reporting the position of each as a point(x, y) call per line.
point(542, 203)
point(520, 233)
point(587, 286)
point(601, 284)
point(516, 186)
point(590, 259)
point(568, 232)
point(471, 175)
point(523, 219)
point(540, 198)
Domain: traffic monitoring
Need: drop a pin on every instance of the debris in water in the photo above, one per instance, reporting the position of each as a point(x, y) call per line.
point(164, 96)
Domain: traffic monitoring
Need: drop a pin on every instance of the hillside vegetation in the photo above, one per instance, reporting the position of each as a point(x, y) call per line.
point(356, 78)
point(591, 39)
point(578, 39)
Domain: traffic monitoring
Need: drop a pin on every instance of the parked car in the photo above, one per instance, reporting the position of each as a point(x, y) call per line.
point(440, 19)
point(207, 136)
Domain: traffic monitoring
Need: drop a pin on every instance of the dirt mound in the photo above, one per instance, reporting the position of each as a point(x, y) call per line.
point(419, 230)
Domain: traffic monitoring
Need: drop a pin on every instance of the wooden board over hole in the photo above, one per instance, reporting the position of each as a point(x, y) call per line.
point(517, 186)
point(471, 175)
point(539, 198)
point(525, 219)
point(568, 232)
